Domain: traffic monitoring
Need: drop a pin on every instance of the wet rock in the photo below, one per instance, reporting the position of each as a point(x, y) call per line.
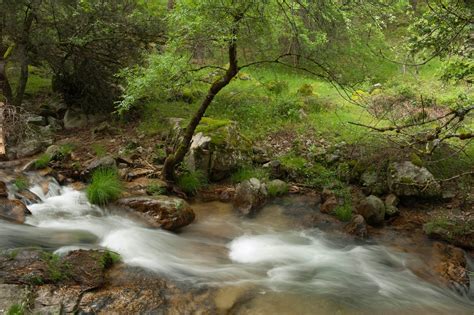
point(3, 190)
point(329, 205)
point(372, 209)
point(104, 162)
point(408, 180)
point(12, 294)
point(13, 210)
point(357, 227)
point(250, 196)
point(169, 213)
point(27, 197)
point(217, 149)
point(451, 266)
point(454, 230)
point(84, 268)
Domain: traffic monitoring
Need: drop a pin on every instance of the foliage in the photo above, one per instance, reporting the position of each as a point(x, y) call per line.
point(42, 161)
point(344, 212)
point(105, 186)
point(191, 181)
point(248, 172)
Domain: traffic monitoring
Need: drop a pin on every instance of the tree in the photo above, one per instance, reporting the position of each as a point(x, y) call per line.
point(274, 31)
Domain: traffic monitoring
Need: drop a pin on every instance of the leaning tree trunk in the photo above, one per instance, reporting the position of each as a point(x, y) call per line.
point(5, 86)
point(174, 159)
point(20, 90)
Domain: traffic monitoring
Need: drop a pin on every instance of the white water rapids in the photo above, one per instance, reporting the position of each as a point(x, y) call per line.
point(224, 250)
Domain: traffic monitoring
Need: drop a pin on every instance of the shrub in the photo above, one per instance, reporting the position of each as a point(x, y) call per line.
point(305, 90)
point(105, 186)
point(248, 172)
point(191, 181)
point(21, 183)
point(277, 87)
point(42, 161)
point(344, 212)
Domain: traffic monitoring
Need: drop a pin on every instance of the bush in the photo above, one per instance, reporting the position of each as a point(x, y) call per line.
point(191, 181)
point(105, 186)
point(248, 172)
point(305, 90)
point(42, 161)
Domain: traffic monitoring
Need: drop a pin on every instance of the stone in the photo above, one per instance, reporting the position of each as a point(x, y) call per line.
point(329, 205)
point(13, 210)
point(54, 123)
point(12, 294)
point(217, 149)
point(3, 190)
point(104, 162)
point(357, 227)
point(373, 182)
point(327, 194)
point(456, 231)
point(277, 187)
point(169, 213)
point(372, 209)
point(76, 119)
point(451, 266)
point(27, 197)
point(408, 180)
point(36, 120)
point(250, 196)
point(391, 202)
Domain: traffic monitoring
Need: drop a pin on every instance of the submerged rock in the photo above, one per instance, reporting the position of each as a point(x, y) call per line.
point(250, 196)
point(372, 209)
point(169, 213)
point(408, 180)
point(13, 210)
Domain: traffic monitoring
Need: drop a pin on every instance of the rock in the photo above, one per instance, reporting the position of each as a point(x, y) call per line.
point(457, 231)
point(250, 196)
point(137, 173)
point(391, 202)
point(77, 119)
point(3, 190)
point(408, 180)
point(275, 169)
point(260, 155)
point(451, 266)
point(372, 209)
point(357, 227)
point(217, 149)
point(104, 162)
point(329, 205)
point(27, 197)
point(12, 294)
point(29, 147)
point(373, 182)
point(54, 123)
point(327, 194)
point(36, 120)
point(169, 213)
point(13, 210)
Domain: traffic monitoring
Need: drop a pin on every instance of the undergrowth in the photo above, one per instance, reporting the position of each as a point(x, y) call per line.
point(191, 181)
point(105, 186)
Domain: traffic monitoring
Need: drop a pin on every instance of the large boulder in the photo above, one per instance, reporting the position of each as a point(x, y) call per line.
point(103, 162)
point(408, 180)
point(169, 213)
point(217, 148)
point(374, 182)
point(250, 196)
point(13, 210)
point(77, 119)
point(372, 209)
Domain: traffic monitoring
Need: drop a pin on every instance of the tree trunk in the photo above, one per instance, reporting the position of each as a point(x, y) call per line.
point(174, 159)
point(3, 150)
point(20, 90)
point(4, 83)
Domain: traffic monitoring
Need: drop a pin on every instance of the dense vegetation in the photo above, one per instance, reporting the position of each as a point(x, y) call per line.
point(342, 71)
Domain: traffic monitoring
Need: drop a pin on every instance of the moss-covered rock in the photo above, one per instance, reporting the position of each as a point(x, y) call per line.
point(457, 231)
point(405, 179)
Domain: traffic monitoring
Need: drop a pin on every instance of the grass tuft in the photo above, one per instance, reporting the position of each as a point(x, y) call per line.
point(191, 181)
point(105, 186)
point(43, 161)
point(248, 172)
point(21, 183)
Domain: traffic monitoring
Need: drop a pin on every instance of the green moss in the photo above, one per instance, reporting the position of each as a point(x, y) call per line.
point(57, 270)
point(109, 258)
point(416, 160)
point(293, 162)
point(42, 161)
point(21, 183)
point(105, 186)
point(276, 190)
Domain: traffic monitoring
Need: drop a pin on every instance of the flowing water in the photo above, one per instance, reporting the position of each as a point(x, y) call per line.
point(289, 270)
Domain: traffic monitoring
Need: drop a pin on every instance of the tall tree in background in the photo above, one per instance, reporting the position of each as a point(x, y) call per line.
point(316, 30)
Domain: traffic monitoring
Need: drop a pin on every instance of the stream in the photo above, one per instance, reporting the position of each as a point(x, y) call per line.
point(291, 270)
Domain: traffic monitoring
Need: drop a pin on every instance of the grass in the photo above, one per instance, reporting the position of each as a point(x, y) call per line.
point(99, 150)
point(156, 189)
point(16, 309)
point(66, 149)
point(21, 183)
point(109, 258)
point(105, 186)
point(191, 181)
point(248, 172)
point(344, 212)
point(42, 161)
